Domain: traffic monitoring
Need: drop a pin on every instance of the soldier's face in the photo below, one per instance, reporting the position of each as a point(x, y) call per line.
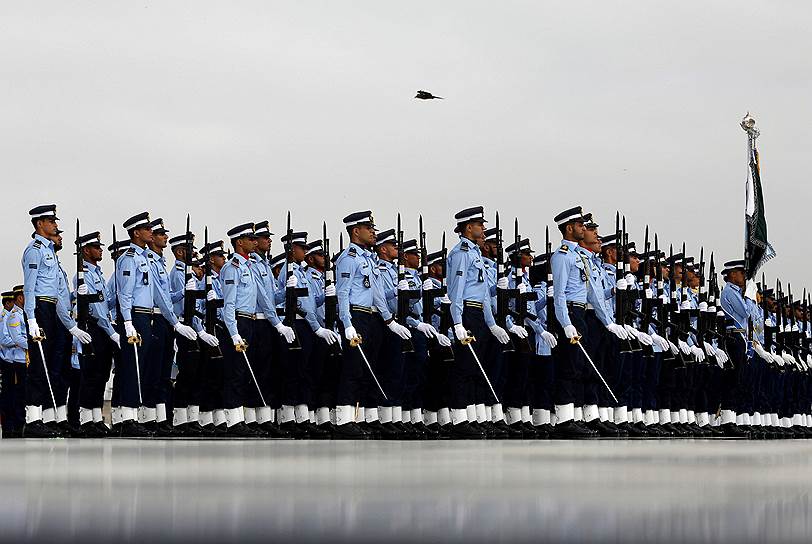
point(365, 235)
point(525, 260)
point(387, 251)
point(577, 231)
point(217, 261)
point(197, 271)
point(436, 270)
point(590, 237)
point(665, 270)
point(19, 300)
point(48, 226)
point(93, 253)
point(412, 260)
point(634, 263)
point(298, 253)
point(263, 244)
point(160, 240)
point(489, 249)
point(316, 260)
point(475, 230)
point(143, 235)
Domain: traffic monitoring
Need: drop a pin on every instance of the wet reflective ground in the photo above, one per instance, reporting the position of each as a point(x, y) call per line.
point(276, 491)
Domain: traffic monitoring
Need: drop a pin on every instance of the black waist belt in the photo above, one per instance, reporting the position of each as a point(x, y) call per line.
point(737, 330)
point(246, 315)
point(364, 309)
point(50, 300)
point(473, 304)
point(140, 310)
point(579, 305)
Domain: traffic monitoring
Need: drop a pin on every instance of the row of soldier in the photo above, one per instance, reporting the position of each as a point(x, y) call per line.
point(386, 340)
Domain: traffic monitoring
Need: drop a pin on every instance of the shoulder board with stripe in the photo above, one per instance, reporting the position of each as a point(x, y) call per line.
point(564, 248)
point(236, 262)
point(37, 244)
point(352, 252)
point(314, 275)
point(130, 252)
point(382, 266)
point(464, 246)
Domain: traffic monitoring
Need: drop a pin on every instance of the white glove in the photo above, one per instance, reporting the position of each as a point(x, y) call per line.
point(570, 331)
point(721, 357)
point(427, 329)
point(82, 289)
point(684, 347)
point(328, 336)
point(802, 364)
point(617, 330)
point(33, 329)
point(209, 339)
point(674, 349)
point(191, 285)
point(703, 306)
point(630, 280)
point(460, 332)
point(645, 339)
point(445, 300)
point(631, 332)
point(443, 340)
point(428, 285)
point(81, 335)
point(549, 339)
point(330, 290)
point(750, 290)
point(211, 295)
point(709, 350)
point(129, 330)
point(502, 283)
point(522, 288)
point(762, 353)
point(292, 282)
point(620, 285)
point(350, 334)
point(519, 331)
point(500, 334)
point(661, 342)
point(403, 285)
point(698, 353)
point(788, 358)
point(777, 359)
point(685, 305)
point(809, 361)
point(665, 298)
point(237, 340)
point(186, 331)
point(399, 329)
point(116, 338)
point(551, 291)
point(286, 332)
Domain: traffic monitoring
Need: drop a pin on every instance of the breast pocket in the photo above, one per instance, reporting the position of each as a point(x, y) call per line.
point(478, 270)
point(245, 278)
point(143, 269)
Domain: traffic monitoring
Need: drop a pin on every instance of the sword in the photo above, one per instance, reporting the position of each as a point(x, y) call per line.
point(45, 365)
point(136, 341)
point(356, 342)
point(242, 348)
point(577, 340)
point(467, 342)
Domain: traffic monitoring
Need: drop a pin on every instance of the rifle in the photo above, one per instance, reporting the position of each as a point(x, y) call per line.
point(550, 307)
point(115, 278)
point(445, 307)
point(330, 302)
point(429, 295)
point(404, 296)
point(620, 294)
point(520, 300)
point(675, 334)
point(503, 296)
point(658, 304)
point(210, 315)
point(190, 298)
point(292, 294)
point(83, 302)
point(765, 313)
point(646, 302)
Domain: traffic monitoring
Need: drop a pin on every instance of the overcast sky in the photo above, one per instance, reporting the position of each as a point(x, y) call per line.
point(239, 111)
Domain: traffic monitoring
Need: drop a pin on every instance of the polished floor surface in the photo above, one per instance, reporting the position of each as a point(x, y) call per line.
point(502, 491)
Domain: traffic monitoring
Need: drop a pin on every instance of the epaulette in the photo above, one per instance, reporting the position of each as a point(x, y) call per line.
point(253, 258)
point(180, 266)
point(564, 248)
point(130, 252)
point(37, 244)
point(314, 275)
point(352, 252)
point(464, 246)
point(236, 262)
point(382, 266)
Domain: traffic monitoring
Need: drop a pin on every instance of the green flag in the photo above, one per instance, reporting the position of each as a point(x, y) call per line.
point(757, 249)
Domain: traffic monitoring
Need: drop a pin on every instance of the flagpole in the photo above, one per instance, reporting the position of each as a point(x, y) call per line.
point(757, 248)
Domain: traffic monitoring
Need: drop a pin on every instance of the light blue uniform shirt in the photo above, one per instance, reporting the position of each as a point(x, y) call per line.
point(539, 325)
point(239, 291)
point(315, 285)
point(595, 292)
point(266, 288)
point(734, 306)
point(94, 279)
point(569, 280)
point(306, 304)
point(42, 277)
point(467, 280)
point(160, 284)
point(358, 283)
point(133, 281)
point(15, 335)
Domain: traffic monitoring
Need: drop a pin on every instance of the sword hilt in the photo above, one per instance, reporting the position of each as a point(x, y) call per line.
point(135, 340)
point(575, 339)
point(356, 341)
point(241, 347)
point(39, 338)
point(470, 339)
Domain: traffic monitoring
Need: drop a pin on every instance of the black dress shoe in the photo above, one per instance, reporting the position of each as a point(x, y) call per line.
point(241, 430)
point(274, 431)
point(133, 429)
point(530, 431)
point(193, 429)
point(221, 430)
point(541, 432)
point(165, 429)
point(674, 430)
point(208, 430)
point(69, 430)
point(257, 428)
point(516, 431)
point(602, 429)
point(502, 430)
point(465, 431)
point(716, 432)
point(349, 431)
point(621, 431)
point(296, 431)
point(732, 430)
point(654, 431)
point(634, 430)
point(390, 432)
point(38, 429)
point(102, 427)
point(90, 430)
point(315, 432)
point(428, 433)
point(572, 430)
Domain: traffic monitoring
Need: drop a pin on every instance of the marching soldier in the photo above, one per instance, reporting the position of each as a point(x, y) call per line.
point(212, 416)
point(15, 359)
point(737, 313)
point(95, 364)
point(363, 313)
point(47, 319)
